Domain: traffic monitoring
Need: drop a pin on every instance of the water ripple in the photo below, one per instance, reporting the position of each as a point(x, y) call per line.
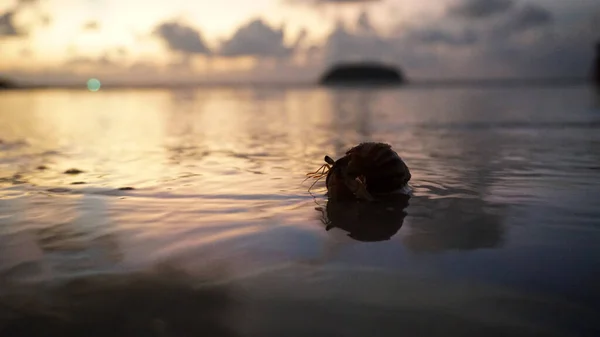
point(504, 191)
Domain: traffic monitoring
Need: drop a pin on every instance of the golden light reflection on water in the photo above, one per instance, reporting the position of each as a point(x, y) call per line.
point(227, 162)
point(220, 170)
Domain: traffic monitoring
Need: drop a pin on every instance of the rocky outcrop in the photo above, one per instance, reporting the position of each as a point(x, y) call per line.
point(6, 84)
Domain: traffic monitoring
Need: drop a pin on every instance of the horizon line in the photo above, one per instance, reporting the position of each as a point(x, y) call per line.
point(423, 82)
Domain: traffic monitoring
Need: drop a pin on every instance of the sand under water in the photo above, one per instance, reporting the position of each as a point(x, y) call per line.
point(182, 213)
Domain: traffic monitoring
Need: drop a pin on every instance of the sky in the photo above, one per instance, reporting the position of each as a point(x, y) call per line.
point(172, 41)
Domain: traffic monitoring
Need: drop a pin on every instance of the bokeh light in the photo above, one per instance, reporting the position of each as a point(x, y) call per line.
point(93, 84)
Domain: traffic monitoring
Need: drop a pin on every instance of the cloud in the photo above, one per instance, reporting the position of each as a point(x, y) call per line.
point(345, 1)
point(7, 26)
point(529, 16)
point(257, 39)
point(364, 22)
point(115, 53)
point(181, 38)
point(329, 2)
point(526, 41)
point(509, 17)
point(109, 66)
point(343, 45)
point(103, 61)
point(91, 26)
point(476, 9)
point(400, 49)
point(566, 52)
point(111, 57)
point(45, 20)
point(437, 36)
point(510, 21)
point(517, 42)
point(515, 24)
point(410, 47)
point(142, 67)
point(466, 39)
point(26, 2)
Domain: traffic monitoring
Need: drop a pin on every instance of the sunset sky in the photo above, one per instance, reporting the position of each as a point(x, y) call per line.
point(140, 41)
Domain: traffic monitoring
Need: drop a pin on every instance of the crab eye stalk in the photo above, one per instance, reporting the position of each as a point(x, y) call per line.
point(329, 161)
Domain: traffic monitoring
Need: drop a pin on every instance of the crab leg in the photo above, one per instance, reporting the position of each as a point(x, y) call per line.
point(359, 189)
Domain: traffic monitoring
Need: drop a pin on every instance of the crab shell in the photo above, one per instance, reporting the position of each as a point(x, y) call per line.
point(368, 171)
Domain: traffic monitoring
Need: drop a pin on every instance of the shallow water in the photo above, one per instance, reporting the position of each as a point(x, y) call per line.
point(501, 236)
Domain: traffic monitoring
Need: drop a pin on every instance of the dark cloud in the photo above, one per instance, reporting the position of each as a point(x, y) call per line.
point(411, 47)
point(257, 39)
point(7, 25)
point(181, 38)
point(516, 24)
point(465, 37)
point(493, 48)
point(343, 45)
point(510, 20)
point(8, 28)
point(402, 48)
point(91, 26)
point(475, 9)
point(511, 17)
point(300, 38)
point(528, 41)
point(364, 22)
point(565, 53)
point(529, 16)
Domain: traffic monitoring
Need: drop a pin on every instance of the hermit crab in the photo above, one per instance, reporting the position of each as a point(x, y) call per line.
point(368, 171)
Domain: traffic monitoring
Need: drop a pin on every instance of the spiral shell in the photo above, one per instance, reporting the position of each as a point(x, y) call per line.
point(368, 171)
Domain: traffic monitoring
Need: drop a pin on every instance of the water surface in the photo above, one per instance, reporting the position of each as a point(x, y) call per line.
point(501, 237)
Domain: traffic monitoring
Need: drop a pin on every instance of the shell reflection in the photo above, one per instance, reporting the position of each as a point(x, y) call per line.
point(367, 221)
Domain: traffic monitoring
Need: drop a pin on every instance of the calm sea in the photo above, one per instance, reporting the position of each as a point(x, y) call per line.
point(189, 215)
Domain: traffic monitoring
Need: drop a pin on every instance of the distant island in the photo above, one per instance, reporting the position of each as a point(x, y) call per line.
point(596, 71)
point(7, 84)
point(362, 73)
